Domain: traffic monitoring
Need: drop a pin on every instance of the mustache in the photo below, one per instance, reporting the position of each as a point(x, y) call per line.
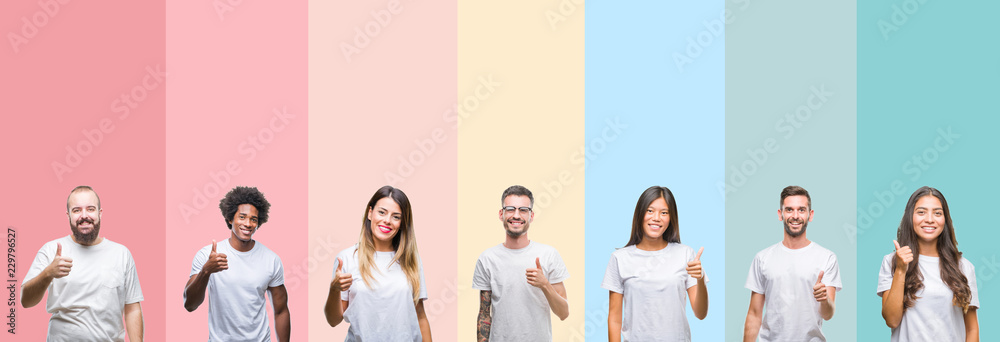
point(85, 219)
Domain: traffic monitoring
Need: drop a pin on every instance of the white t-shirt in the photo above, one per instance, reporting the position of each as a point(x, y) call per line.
point(236, 303)
point(385, 312)
point(87, 304)
point(654, 286)
point(786, 277)
point(932, 317)
point(520, 311)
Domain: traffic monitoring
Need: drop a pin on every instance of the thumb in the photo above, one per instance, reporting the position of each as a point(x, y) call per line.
point(820, 279)
point(698, 257)
point(340, 264)
point(58, 249)
point(896, 243)
point(538, 263)
point(213, 246)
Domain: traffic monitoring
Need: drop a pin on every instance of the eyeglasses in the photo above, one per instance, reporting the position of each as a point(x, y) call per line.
point(509, 210)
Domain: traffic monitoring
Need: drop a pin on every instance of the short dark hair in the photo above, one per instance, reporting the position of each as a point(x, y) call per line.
point(244, 195)
point(517, 190)
point(794, 190)
point(83, 188)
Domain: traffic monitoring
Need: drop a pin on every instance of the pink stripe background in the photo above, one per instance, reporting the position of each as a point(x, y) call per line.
point(237, 116)
point(65, 78)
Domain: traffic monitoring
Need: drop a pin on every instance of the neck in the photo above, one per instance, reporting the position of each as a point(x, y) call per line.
point(928, 248)
point(795, 242)
point(240, 245)
point(96, 241)
point(650, 244)
point(516, 242)
point(383, 246)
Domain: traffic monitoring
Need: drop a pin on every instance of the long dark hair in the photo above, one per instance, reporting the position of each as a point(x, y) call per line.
point(673, 233)
point(947, 246)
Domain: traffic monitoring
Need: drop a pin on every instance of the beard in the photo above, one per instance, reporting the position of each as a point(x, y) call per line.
point(85, 238)
point(515, 234)
point(788, 228)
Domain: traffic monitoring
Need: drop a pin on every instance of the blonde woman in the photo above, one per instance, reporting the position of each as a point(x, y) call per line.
point(387, 303)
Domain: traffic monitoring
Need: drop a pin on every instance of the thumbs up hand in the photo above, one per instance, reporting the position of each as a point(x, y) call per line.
point(820, 290)
point(216, 262)
point(536, 276)
point(694, 266)
point(904, 255)
point(341, 281)
point(60, 265)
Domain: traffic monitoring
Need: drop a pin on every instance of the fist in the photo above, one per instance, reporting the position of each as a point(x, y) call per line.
point(341, 281)
point(536, 276)
point(819, 290)
point(60, 265)
point(216, 261)
point(904, 255)
point(694, 266)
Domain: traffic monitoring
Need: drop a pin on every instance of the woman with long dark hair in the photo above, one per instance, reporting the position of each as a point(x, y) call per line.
point(928, 289)
point(388, 303)
point(651, 278)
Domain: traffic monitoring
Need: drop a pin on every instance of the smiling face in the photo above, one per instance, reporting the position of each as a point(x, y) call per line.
point(928, 219)
point(386, 218)
point(516, 222)
point(84, 216)
point(244, 223)
point(796, 215)
point(657, 219)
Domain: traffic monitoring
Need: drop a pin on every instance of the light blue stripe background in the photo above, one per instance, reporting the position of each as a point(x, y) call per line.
point(674, 137)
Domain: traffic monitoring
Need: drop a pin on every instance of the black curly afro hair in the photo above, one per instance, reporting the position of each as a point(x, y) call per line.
point(244, 195)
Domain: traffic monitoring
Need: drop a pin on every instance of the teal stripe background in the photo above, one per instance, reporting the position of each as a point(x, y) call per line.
point(927, 115)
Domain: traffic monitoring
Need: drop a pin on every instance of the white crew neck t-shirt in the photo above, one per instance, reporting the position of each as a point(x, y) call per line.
point(654, 286)
point(88, 304)
point(786, 277)
point(932, 317)
point(520, 311)
point(385, 312)
point(237, 308)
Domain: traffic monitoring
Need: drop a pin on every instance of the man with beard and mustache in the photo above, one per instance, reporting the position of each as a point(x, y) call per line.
point(514, 302)
point(796, 279)
point(91, 281)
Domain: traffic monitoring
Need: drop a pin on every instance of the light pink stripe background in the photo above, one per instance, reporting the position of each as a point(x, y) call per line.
point(377, 117)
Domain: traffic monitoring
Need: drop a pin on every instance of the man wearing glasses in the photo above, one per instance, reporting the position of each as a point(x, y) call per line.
point(519, 280)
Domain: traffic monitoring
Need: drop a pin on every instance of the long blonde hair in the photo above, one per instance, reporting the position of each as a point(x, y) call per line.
point(405, 241)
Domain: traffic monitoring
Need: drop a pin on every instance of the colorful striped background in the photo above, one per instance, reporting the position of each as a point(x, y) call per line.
point(164, 106)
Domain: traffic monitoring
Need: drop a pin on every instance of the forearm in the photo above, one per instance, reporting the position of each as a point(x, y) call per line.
point(699, 303)
point(971, 326)
point(826, 309)
point(33, 290)
point(614, 328)
point(425, 325)
point(892, 303)
point(334, 309)
point(283, 324)
point(483, 327)
point(751, 328)
point(485, 320)
point(133, 322)
point(558, 304)
point(194, 293)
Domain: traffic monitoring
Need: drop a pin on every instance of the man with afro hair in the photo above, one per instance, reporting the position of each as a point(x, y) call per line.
point(235, 274)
